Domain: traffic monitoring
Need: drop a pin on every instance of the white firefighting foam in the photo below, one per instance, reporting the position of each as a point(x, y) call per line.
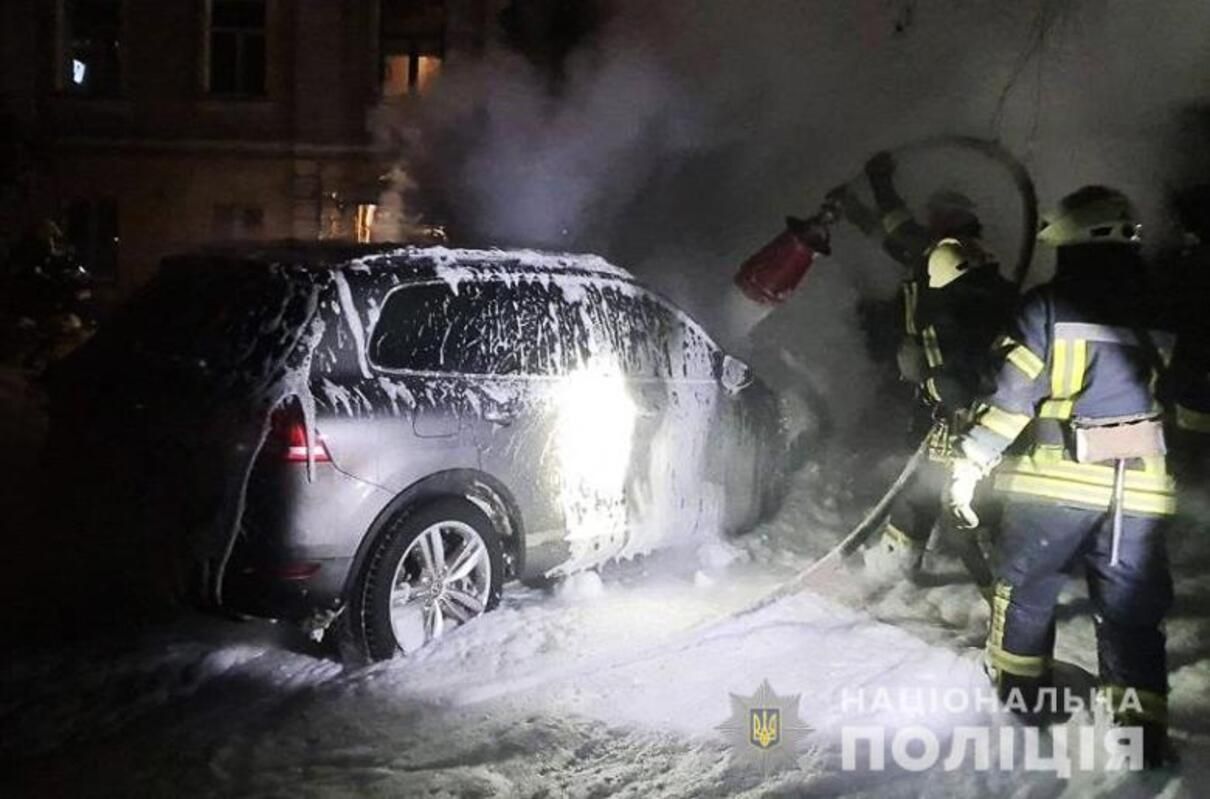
point(614, 504)
point(601, 688)
point(594, 435)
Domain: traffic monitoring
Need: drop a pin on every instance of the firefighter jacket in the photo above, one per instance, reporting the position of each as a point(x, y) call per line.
point(1187, 291)
point(1191, 379)
point(955, 326)
point(952, 326)
point(1080, 351)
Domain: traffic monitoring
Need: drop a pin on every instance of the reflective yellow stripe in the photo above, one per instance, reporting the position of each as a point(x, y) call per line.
point(1024, 359)
point(1058, 368)
point(1079, 365)
point(1019, 665)
point(1055, 409)
point(1155, 464)
point(930, 385)
point(909, 307)
point(894, 219)
point(1082, 495)
point(932, 347)
point(1068, 364)
point(1001, 659)
point(1003, 423)
point(1189, 419)
point(1093, 474)
point(1049, 453)
point(1149, 491)
point(995, 631)
point(897, 537)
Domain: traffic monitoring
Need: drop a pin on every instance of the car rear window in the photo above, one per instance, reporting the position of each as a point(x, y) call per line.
point(209, 318)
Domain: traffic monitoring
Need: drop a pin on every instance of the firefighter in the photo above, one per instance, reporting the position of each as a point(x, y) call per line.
point(954, 302)
point(1073, 423)
point(1186, 283)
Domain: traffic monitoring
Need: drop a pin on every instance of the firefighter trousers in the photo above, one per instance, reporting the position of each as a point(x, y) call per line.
point(1039, 547)
point(918, 506)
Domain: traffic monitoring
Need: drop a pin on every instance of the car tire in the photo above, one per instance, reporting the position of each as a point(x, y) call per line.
point(396, 594)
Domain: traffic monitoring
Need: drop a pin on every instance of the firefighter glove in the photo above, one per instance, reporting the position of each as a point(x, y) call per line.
point(840, 200)
point(964, 478)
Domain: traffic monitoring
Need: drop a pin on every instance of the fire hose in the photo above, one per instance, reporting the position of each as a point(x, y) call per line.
point(1019, 175)
point(849, 544)
point(796, 229)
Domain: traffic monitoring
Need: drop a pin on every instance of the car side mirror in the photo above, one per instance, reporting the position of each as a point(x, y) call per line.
point(734, 375)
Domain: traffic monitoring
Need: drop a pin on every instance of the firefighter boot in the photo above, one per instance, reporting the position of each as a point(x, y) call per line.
point(1024, 698)
point(1149, 713)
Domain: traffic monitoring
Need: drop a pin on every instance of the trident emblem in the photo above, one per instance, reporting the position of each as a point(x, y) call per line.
point(765, 726)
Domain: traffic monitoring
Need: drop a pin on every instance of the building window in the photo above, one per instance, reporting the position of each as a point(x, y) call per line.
point(412, 43)
point(92, 36)
point(92, 230)
point(237, 47)
point(408, 73)
point(364, 223)
point(236, 222)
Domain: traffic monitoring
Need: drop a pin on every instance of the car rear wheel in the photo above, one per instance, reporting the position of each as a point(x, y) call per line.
point(432, 570)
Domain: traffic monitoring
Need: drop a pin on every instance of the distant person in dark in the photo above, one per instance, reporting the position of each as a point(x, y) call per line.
point(1182, 282)
point(48, 304)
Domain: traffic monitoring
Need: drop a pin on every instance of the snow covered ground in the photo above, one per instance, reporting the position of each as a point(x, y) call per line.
point(611, 685)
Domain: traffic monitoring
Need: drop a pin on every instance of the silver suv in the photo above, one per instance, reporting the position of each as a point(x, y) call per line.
point(442, 421)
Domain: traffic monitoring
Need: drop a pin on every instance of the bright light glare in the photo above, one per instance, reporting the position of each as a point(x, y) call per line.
point(593, 435)
point(79, 71)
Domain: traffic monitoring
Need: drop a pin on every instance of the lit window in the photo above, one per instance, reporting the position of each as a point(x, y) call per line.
point(408, 73)
point(396, 74)
point(92, 46)
point(427, 69)
point(237, 47)
point(365, 223)
point(412, 43)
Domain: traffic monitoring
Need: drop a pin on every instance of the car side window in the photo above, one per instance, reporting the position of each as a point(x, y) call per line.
point(479, 328)
point(649, 338)
point(536, 327)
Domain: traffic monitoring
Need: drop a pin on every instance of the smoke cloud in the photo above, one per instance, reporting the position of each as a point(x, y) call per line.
point(683, 131)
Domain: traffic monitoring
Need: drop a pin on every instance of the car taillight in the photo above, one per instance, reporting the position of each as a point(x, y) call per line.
point(288, 434)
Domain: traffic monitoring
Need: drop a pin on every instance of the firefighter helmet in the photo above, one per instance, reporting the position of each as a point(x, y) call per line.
point(950, 259)
point(1092, 215)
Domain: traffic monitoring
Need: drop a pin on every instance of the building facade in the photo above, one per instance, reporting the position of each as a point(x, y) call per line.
point(154, 126)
